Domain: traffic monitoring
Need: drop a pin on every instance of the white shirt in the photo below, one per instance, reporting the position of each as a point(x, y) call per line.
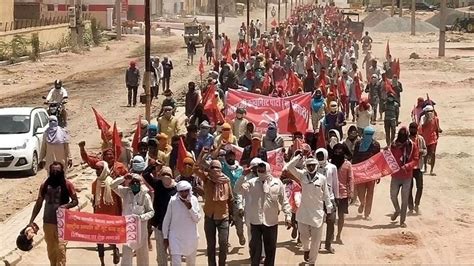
point(330, 171)
point(180, 226)
point(57, 95)
point(315, 191)
point(300, 66)
point(363, 117)
point(261, 207)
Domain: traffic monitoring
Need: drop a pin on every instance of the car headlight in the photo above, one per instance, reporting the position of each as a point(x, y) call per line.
point(23, 146)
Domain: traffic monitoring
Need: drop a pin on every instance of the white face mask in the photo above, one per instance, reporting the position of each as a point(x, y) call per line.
point(169, 97)
point(332, 142)
point(322, 163)
point(239, 116)
point(333, 109)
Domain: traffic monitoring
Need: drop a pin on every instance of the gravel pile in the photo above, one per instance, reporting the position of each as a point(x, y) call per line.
point(374, 18)
point(397, 24)
point(451, 16)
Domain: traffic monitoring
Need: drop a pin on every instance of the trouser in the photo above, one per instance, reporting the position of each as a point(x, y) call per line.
point(190, 259)
point(418, 176)
point(316, 119)
point(209, 58)
point(191, 58)
point(330, 221)
point(166, 83)
point(155, 90)
point(258, 33)
point(249, 237)
point(308, 232)
point(269, 235)
point(390, 127)
point(56, 248)
point(161, 255)
point(141, 253)
point(238, 221)
point(63, 117)
point(353, 105)
point(395, 185)
point(345, 105)
point(374, 114)
point(366, 195)
point(101, 249)
point(212, 226)
point(132, 94)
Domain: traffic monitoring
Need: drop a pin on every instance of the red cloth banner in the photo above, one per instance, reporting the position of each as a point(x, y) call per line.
point(377, 166)
point(262, 109)
point(276, 158)
point(97, 228)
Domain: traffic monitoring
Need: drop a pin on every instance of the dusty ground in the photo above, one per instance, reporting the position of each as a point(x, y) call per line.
point(441, 234)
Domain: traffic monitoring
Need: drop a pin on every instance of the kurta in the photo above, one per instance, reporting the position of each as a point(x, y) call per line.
point(180, 226)
point(54, 152)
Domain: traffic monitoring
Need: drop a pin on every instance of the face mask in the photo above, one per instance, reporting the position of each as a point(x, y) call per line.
point(332, 141)
point(402, 138)
point(230, 161)
point(272, 134)
point(239, 116)
point(333, 109)
point(135, 188)
point(53, 123)
point(312, 171)
point(204, 131)
point(262, 176)
point(188, 171)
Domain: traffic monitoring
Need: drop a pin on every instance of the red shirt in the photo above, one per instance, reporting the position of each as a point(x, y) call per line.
point(429, 131)
point(407, 157)
point(346, 180)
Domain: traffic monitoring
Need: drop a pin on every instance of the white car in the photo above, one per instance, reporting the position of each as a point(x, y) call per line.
point(21, 137)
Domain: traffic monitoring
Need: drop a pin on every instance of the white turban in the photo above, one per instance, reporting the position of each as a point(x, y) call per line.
point(183, 185)
point(428, 108)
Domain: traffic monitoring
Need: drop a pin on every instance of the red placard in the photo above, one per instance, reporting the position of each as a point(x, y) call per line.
point(377, 166)
point(262, 109)
point(97, 228)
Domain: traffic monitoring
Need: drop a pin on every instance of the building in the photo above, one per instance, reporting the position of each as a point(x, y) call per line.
point(6, 13)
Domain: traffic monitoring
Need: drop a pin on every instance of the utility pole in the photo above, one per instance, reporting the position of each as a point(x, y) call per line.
point(291, 7)
point(266, 14)
point(279, 2)
point(147, 61)
point(392, 13)
point(400, 8)
point(118, 18)
point(216, 28)
point(248, 22)
point(442, 29)
point(413, 9)
point(194, 8)
point(286, 9)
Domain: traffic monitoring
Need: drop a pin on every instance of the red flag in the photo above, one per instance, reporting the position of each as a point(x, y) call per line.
point(320, 55)
point(291, 119)
point(322, 84)
point(102, 124)
point(116, 142)
point(266, 84)
point(201, 66)
point(211, 109)
point(387, 50)
point(294, 83)
point(321, 142)
point(211, 91)
point(397, 71)
point(182, 153)
point(358, 89)
point(137, 135)
point(341, 86)
point(388, 86)
point(309, 63)
point(274, 23)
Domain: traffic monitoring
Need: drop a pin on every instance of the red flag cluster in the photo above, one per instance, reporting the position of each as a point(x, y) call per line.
point(108, 136)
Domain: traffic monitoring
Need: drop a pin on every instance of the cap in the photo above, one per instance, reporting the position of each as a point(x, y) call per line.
point(428, 108)
point(240, 111)
point(257, 135)
point(162, 136)
point(255, 162)
point(205, 124)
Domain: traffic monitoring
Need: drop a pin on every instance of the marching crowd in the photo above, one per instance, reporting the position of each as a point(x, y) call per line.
point(169, 166)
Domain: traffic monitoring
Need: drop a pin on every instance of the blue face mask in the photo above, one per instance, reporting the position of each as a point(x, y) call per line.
point(272, 133)
point(135, 188)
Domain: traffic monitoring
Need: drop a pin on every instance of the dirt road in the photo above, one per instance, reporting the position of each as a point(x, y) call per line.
point(441, 234)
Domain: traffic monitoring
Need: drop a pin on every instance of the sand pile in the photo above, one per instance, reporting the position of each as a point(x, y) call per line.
point(374, 18)
point(451, 16)
point(397, 24)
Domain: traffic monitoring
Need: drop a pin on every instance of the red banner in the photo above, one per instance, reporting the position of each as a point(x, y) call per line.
point(377, 166)
point(276, 159)
point(262, 109)
point(97, 228)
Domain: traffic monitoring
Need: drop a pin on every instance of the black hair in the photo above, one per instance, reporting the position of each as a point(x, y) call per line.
point(54, 181)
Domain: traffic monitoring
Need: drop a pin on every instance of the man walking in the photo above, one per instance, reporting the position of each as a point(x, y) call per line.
point(132, 80)
point(429, 129)
point(265, 193)
point(57, 192)
point(406, 154)
point(417, 174)
point(191, 47)
point(310, 214)
point(167, 67)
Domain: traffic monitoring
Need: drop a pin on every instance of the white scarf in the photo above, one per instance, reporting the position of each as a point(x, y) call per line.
point(104, 181)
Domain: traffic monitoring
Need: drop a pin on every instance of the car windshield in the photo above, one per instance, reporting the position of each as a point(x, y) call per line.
point(191, 30)
point(14, 124)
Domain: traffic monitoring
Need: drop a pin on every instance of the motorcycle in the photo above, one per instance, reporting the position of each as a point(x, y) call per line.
point(56, 109)
point(366, 47)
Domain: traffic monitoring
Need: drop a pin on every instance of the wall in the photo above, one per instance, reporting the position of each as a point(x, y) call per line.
point(28, 10)
point(48, 35)
point(6, 12)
